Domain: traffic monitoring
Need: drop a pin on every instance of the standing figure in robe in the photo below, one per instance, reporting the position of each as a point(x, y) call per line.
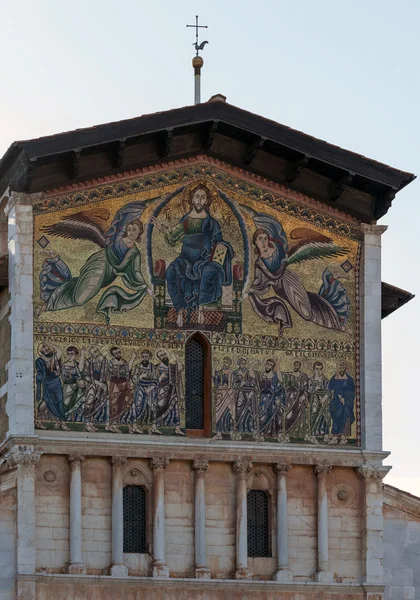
point(119, 256)
point(170, 392)
point(330, 307)
point(73, 384)
point(120, 388)
point(271, 401)
point(225, 398)
point(297, 401)
point(96, 400)
point(145, 395)
point(343, 391)
point(319, 397)
point(195, 278)
point(246, 398)
point(49, 391)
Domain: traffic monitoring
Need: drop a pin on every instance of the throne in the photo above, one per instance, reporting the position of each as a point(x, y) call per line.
point(223, 315)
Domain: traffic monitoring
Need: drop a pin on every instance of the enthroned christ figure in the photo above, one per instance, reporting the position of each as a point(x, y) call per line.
point(195, 278)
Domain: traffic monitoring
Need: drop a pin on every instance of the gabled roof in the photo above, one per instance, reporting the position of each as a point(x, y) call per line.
point(357, 185)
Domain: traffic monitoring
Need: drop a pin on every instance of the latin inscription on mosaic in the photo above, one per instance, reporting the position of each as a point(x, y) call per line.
point(126, 273)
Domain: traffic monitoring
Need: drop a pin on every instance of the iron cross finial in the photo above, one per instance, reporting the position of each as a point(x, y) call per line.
point(196, 45)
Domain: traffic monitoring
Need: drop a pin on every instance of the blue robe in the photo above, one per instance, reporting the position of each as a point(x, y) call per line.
point(341, 412)
point(193, 278)
point(49, 389)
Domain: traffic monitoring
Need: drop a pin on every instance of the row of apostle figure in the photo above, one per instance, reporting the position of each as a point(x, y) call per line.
point(267, 403)
point(92, 386)
point(99, 386)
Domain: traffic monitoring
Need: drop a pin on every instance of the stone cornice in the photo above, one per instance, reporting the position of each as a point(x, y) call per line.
point(209, 584)
point(106, 445)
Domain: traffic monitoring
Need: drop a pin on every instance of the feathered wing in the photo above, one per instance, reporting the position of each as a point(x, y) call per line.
point(315, 250)
point(84, 225)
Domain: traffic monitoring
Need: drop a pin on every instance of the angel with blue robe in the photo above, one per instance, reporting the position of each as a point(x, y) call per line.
point(118, 256)
point(329, 308)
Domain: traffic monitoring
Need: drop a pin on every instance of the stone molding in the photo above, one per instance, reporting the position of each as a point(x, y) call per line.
point(194, 584)
point(323, 468)
point(369, 229)
point(372, 471)
point(22, 455)
point(118, 461)
point(72, 458)
point(200, 465)
point(241, 467)
point(282, 468)
point(158, 464)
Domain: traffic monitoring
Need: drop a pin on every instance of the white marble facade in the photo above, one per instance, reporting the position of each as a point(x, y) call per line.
point(61, 495)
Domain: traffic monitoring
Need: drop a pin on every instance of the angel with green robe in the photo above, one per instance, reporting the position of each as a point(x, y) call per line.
point(329, 308)
point(118, 256)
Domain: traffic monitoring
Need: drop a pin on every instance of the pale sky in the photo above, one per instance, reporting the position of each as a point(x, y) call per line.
point(344, 71)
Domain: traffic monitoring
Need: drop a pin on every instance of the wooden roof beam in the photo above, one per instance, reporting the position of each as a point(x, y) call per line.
point(165, 142)
point(296, 168)
point(337, 187)
point(118, 153)
point(209, 134)
point(253, 149)
point(74, 163)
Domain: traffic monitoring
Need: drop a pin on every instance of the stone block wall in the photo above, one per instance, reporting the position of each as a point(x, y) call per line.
point(52, 519)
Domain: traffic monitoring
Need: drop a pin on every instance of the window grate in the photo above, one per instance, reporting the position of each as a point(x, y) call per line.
point(135, 525)
point(258, 524)
point(194, 384)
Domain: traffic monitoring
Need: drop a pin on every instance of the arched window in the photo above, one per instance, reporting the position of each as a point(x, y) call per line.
point(135, 524)
point(197, 386)
point(258, 524)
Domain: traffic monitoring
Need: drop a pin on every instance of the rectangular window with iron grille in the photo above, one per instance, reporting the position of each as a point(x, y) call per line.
point(194, 384)
point(258, 524)
point(135, 524)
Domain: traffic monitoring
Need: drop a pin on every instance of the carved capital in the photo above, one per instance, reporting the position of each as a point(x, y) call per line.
point(372, 471)
point(282, 468)
point(241, 467)
point(118, 461)
point(22, 455)
point(373, 229)
point(74, 458)
point(21, 199)
point(322, 468)
point(200, 465)
point(158, 464)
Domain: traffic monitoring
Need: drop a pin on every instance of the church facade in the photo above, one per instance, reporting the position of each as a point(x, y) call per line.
point(191, 373)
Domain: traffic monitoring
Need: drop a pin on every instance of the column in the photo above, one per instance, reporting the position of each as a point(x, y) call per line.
point(282, 573)
point(159, 568)
point(201, 569)
point(323, 574)
point(241, 468)
point(118, 569)
point(24, 458)
point(20, 373)
point(370, 338)
point(76, 565)
point(373, 551)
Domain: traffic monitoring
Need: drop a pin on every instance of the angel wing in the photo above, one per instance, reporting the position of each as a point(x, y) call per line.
point(84, 225)
point(319, 246)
